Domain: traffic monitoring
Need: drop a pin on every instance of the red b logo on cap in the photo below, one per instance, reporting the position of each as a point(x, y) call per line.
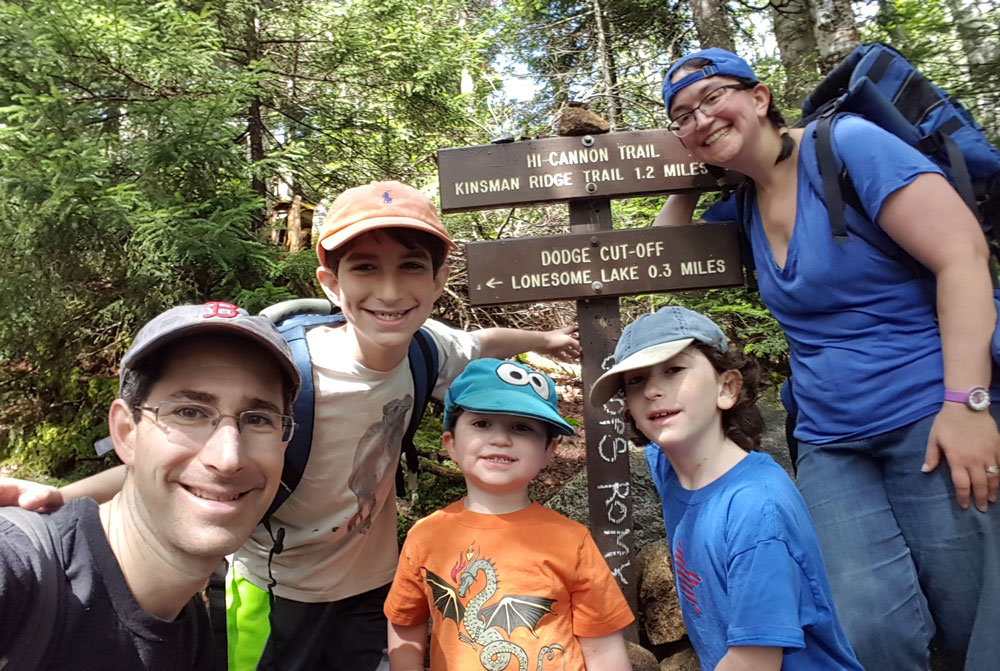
point(222, 310)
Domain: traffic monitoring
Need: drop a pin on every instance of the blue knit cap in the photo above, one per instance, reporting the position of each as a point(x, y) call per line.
point(724, 63)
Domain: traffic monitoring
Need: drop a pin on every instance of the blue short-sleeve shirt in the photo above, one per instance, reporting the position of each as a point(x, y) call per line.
point(748, 568)
point(864, 344)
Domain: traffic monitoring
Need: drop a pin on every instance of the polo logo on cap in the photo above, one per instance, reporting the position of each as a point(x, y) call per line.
point(386, 198)
point(220, 309)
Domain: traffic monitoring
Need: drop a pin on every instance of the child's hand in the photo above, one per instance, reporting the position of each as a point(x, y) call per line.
point(29, 495)
point(562, 344)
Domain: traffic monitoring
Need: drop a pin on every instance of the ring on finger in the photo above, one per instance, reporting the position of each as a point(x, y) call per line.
point(992, 470)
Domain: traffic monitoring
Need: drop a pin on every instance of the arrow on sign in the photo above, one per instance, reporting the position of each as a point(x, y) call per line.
point(493, 282)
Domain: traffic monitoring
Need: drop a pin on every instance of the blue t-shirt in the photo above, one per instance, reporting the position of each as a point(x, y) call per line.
point(864, 344)
point(748, 568)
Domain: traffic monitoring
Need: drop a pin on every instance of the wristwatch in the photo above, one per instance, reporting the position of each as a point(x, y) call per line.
point(977, 398)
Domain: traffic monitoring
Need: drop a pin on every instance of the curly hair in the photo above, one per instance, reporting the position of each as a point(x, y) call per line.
point(773, 114)
point(743, 423)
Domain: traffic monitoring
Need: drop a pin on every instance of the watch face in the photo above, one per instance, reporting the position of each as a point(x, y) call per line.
point(979, 398)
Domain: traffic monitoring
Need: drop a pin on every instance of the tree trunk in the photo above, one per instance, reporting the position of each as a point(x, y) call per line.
point(794, 32)
point(604, 58)
point(255, 122)
point(835, 31)
point(293, 238)
point(712, 24)
point(980, 48)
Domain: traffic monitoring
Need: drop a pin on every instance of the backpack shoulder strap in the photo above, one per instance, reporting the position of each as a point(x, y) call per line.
point(424, 361)
point(829, 173)
point(42, 617)
point(294, 329)
point(839, 193)
point(745, 195)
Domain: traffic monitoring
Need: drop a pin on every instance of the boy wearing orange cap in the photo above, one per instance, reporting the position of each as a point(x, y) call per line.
point(381, 256)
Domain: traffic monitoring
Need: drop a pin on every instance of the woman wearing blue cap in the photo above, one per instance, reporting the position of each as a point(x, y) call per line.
point(894, 420)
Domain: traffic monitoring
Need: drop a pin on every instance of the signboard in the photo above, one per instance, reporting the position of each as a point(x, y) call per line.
point(605, 263)
point(531, 172)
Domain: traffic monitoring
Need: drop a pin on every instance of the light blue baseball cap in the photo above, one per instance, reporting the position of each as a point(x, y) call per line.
point(492, 386)
point(653, 338)
point(724, 63)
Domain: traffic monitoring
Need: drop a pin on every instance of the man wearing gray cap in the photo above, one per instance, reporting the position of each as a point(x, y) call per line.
point(201, 424)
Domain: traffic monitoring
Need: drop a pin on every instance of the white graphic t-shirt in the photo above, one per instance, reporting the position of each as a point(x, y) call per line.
point(340, 522)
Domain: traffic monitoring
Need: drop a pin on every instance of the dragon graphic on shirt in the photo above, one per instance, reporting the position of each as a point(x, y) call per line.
point(484, 624)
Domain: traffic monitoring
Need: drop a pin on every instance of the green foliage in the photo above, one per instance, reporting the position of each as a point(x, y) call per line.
point(740, 314)
point(436, 488)
point(141, 146)
point(62, 445)
point(148, 152)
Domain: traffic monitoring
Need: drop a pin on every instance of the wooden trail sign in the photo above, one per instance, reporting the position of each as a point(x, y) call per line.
point(606, 263)
point(592, 264)
point(533, 172)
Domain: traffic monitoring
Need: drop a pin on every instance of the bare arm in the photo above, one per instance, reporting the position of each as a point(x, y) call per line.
point(605, 653)
point(949, 242)
point(30, 495)
point(750, 658)
point(501, 343)
point(101, 487)
point(678, 210)
point(46, 498)
point(406, 647)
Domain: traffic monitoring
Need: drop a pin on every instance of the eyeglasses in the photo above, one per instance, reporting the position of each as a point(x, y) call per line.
point(197, 422)
point(709, 105)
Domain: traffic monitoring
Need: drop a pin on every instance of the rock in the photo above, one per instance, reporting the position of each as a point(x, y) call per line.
point(685, 660)
point(647, 518)
point(661, 613)
point(576, 119)
point(640, 658)
point(773, 441)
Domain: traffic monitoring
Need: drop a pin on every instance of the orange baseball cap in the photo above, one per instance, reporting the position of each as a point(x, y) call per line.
point(378, 205)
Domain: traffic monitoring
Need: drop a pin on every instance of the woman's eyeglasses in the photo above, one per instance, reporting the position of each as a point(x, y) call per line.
point(709, 105)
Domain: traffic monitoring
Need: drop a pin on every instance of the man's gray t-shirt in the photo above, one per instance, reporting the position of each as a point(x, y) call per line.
point(100, 624)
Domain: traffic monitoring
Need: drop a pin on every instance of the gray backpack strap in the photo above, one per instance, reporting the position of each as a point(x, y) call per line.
point(39, 622)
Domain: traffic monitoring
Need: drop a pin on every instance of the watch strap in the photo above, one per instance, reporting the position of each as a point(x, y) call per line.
point(957, 396)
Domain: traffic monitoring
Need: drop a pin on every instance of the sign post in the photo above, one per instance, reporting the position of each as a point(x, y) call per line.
point(609, 497)
point(593, 265)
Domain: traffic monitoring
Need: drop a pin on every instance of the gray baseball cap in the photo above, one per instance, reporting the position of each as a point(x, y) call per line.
point(212, 317)
point(652, 338)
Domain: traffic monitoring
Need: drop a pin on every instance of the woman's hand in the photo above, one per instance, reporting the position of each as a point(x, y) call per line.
point(970, 442)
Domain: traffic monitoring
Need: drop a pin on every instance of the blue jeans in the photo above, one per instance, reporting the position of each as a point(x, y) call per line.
point(904, 560)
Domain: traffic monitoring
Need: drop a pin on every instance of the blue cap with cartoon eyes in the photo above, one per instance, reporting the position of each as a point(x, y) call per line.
point(498, 387)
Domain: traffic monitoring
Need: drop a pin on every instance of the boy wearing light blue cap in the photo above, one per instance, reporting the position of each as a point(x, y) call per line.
point(500, 577)
point(753, 590)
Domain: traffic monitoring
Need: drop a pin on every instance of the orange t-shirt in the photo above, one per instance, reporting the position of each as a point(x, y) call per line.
point(504, 588)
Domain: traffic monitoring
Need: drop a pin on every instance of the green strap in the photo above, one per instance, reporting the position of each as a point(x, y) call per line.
point(248, 622)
